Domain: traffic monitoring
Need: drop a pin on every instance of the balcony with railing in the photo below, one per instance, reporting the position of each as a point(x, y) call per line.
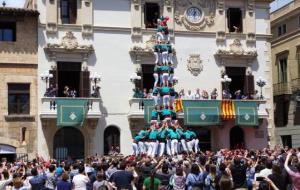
point(137, 108)
point(282, 88)
point(49, 107)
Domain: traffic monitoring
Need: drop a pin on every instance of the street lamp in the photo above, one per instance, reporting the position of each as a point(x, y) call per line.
point(226, 80)
point(95, 78)
point(261, 83)
point(134, 78)
point(46, 76)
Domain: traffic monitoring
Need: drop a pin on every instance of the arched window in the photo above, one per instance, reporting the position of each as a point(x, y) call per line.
point(68, 143)
point(111, 140)
point(237, 138)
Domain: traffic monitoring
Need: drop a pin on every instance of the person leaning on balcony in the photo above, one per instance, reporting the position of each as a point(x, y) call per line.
point(205, 95)
point(197, 95)
point(66, 91)
point(214, 94)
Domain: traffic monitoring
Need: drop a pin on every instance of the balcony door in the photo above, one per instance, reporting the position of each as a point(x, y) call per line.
point(70, 74)
point(111, 139)
point(68, 143)
point(237, 138)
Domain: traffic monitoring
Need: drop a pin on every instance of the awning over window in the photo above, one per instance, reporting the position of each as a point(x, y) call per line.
point(71, 111)
point(246, 113)
point(201, 113)
point(7, 149)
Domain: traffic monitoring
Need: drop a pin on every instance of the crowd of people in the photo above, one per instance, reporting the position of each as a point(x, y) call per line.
point(267, 169)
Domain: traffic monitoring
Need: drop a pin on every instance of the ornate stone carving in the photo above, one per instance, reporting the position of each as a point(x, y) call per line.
point(207, 8)
point(169, 4)
point(251, 7)
point(236, 49)
point(136, 4)
point(194, 64)
point(151, 42)
point(87, 30)
point(221, 6)
point(136, 31)
point(51, 27)
point(221, 36)
point(251, 37)
point(69, 41)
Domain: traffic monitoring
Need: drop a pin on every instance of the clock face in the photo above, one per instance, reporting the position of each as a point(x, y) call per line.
point(194, 15)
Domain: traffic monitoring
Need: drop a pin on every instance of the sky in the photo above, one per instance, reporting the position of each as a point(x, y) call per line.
point(19, 3)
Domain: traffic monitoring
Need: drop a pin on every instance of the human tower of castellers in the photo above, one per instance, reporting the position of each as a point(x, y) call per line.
point(165, 135)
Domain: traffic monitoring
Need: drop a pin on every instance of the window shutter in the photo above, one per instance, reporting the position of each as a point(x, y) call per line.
point(228, 20)
point(53, 80)
point(249, 86)
point(73, 11)
point(85, 84)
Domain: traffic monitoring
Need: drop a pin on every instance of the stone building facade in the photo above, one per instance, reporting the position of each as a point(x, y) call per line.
point(285, 26)
point(114, 39)
point(18, 88)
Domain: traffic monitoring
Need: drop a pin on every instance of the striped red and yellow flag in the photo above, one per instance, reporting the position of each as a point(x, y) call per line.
point(178, 106)
point(227, 108)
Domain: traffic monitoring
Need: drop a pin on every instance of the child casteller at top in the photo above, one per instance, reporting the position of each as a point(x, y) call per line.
point(162, 29)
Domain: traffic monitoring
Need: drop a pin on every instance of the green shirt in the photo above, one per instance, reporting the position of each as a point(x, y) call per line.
point(165, 69)
point(153, 134)
point(163, 134)
point(147, 183)
point(165, 112)
point(179, 132)
point(155, 91)
point(165, 90)
point(154, 114)
point(142, 133)
point(172, 134)
point(163, 47)
point(138, 138)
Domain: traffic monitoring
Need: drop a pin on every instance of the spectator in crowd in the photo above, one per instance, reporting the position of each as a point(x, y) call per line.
point(214, 94)
point(198, 95)
point(295, 175)
point(64, 184)
point(122, 179)
point(152, 182)
point(80, 180)
point(205, 95)
point(189, 95)
point(101, 182)
point(38, 180)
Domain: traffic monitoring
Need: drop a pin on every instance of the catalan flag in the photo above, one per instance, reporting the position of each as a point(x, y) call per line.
point(227, 108)
point(178, 106)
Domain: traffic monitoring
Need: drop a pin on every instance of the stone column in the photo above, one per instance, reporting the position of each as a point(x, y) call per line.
point(87, 18)
point(51, 16)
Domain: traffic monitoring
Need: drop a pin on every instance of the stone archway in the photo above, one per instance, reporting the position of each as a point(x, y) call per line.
point(111, 138)
point(237, 137)
point(68, 142)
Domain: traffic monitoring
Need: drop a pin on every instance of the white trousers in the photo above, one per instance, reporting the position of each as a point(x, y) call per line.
point(171, 78)
point(172, 98)
point(165, 57)
point(156, 100)
point(190, 145)
point(159, 36)
point(165, 78)
point(196, 145)
point(155, 75)
point(183, 144)
point(168, 145)
point(142, 147)
point(166, 100)
point(174, 146)
point(135, 148)
point(156, 54)
point(162, 147)
point(170, 58)
point(152, 149)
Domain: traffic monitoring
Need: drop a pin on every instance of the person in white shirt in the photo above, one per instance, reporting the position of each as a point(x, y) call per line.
point(267, 171)
point(189, 95)
point(80, 180)
point(197, 94)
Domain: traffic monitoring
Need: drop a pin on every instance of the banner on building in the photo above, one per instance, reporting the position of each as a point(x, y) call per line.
point(71, 112)
point(246, 113)
point(201, 113)
point(148, 107)
point(228, 109)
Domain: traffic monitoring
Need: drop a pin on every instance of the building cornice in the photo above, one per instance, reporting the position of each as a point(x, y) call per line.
point(288, 37)
point(9, 11)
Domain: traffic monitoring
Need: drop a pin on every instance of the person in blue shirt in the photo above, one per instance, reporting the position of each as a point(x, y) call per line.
point(162, 138)
point(152, 141)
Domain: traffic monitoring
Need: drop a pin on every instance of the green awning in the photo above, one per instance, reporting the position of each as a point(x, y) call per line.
point(148, 107)
point(201, 113)
point(246, 113)
point(71, 112)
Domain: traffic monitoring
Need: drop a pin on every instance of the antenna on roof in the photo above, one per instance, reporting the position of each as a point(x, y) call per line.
point(3, 3)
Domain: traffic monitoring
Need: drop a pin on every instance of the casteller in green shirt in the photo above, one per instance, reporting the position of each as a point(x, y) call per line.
point(147, 183)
